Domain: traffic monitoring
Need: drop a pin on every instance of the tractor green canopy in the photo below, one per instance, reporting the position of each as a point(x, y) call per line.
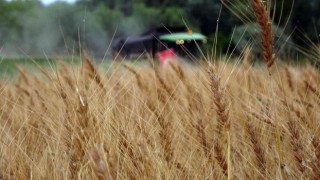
point(182, 36)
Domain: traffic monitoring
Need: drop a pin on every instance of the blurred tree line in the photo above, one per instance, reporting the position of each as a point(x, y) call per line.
point(30, 28)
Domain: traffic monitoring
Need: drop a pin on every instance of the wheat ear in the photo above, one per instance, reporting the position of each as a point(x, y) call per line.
point(178, 70)
point(316, 164)
point(203, 139)
point(289, 78)
point(93, 72)
point(223, 121)
point(164, 85)
point(246, 63)
point(258, 150)
point(218, 99)
point(296, 143)
point(100, 167)
point(136, 74)
point(266, 31)
point(311, 87)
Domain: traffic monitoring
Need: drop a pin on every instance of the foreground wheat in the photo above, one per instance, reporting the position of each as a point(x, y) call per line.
point(160, 124)
point(266, 31)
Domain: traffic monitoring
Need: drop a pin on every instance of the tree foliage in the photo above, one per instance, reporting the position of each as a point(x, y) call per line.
point(36, 28)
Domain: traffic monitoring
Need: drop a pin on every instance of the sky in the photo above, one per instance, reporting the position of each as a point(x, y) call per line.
point(46, 2)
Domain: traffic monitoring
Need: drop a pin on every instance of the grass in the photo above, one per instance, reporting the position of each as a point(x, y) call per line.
point(8, 66)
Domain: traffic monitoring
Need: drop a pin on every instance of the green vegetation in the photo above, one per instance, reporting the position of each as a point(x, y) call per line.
point(9, 67)
point(28, 27)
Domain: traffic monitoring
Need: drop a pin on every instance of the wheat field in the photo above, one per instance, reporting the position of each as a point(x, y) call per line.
point(217, 120)
point(206, 122)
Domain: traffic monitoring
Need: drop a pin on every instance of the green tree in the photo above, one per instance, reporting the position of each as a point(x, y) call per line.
point(108, 18)
point(11, 17)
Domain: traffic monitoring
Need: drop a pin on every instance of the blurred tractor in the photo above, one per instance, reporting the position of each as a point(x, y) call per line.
point(184, 43)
